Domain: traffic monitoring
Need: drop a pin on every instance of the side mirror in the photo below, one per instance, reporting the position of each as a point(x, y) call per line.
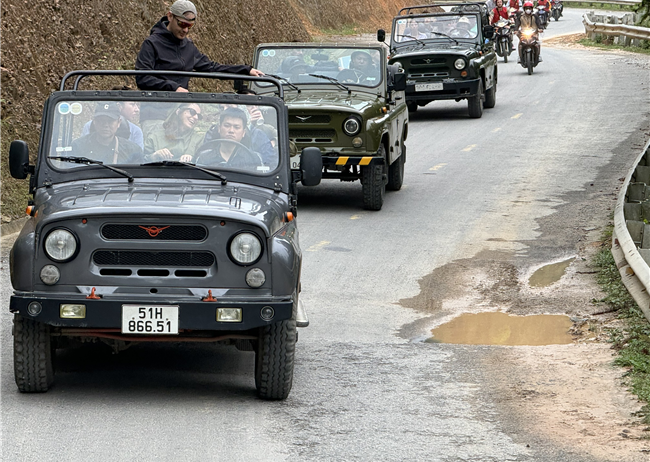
point(399, 81)
point(311, 166)
point(381, 35)
point(488, 32)
point(19, 160)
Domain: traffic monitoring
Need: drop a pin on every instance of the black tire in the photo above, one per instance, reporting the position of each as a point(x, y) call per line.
point(396, 172)
point(530, 65)
point(412, 106)
point(491, 97)
point(274, 359)
point(373, 183)
point(33, 365)
point(475, 103)
point(505, 58)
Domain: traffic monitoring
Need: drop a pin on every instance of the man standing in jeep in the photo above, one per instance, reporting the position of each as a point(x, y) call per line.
point(168, 47)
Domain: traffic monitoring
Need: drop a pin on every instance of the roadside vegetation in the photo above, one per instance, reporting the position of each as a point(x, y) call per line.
point(601, 6)
point(632, 340)
point(606, 43)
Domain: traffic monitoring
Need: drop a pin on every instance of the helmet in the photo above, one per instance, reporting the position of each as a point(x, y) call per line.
point(528, 4)
point(464, 22)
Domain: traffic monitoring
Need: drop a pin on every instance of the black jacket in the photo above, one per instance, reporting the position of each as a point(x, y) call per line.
point(162, 50)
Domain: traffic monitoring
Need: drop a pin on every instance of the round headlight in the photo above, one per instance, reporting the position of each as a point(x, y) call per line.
point(255, 278)
point(351, 126)
point(50, 275)
point(60, 245)
point(245, 248)
point(459, 64)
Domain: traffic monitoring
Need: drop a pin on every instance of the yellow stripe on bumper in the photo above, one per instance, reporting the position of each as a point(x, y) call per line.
point(365, 160)
point(342, 160)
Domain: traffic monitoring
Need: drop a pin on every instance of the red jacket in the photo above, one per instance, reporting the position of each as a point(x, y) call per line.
point(514, 4)
point(499, 13)
point(545, 3)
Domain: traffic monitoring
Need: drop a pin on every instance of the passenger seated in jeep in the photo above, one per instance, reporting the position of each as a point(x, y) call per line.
point(362, 70)
point(102, 143)
point(464, 29)
point(177, 138)
point(228, 144)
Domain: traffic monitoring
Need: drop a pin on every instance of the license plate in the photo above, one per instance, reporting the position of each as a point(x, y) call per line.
point(428, 86)
point(295, 163)
point(149, 320)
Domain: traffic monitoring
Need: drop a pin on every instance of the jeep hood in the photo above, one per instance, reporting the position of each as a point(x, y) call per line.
point(190, 198)
point(408, 52)
point(336, 100)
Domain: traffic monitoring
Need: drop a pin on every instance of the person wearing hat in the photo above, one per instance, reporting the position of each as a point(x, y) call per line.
point(102, 143)
point(168, 47)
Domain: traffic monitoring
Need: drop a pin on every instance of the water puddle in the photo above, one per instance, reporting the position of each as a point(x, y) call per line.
point(547, 275)
point(495, 328)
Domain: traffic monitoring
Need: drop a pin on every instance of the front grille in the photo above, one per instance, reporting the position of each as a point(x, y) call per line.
point(416, 75)
point(144, 258)
point(427, 61)
point(310, 119)
point(158, 232)
point(312, 136)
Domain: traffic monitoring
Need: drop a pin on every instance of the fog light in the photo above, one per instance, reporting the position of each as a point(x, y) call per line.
point(255, 278)
point(357, 142)
point(229, 315)
point(70, 311)
point(267, 313)
point(50, 275)
point(34, 309)
point(463, 74)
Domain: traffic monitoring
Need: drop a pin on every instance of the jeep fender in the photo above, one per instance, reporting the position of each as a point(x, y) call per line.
point(23, 251)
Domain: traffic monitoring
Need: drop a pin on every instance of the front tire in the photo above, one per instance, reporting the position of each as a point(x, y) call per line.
point(373, 183)
point(274, 360)
point(475, 103)
point(33, 365)
point(412, 106)
point(529, 62)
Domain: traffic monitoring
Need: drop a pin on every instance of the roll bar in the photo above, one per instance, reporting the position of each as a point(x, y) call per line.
point(203, 75)
point(407, 10)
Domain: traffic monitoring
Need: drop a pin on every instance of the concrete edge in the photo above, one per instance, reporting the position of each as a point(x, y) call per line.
point(13, 227)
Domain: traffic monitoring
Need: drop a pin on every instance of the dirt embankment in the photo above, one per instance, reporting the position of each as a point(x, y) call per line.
point(44, 39)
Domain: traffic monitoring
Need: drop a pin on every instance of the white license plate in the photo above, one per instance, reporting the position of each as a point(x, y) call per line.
point(149, 320)
point(295, 163)
point(428, 86)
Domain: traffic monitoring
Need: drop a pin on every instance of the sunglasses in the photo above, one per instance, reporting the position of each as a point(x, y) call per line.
point(194, 113)
point(183, 24)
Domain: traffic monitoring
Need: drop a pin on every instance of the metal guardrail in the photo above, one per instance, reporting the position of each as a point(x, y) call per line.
point(605, 2)
point(631, 236)
point(620, 30)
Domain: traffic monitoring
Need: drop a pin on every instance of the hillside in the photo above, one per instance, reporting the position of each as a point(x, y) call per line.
point(49, 38)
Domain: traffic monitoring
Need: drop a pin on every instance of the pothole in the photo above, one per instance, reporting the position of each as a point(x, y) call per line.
point(496, 328)
point(548, 274)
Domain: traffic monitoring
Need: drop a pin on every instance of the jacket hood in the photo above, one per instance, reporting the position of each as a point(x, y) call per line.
point(161, 28)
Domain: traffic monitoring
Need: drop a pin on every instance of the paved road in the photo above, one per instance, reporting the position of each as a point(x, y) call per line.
point(366, 386)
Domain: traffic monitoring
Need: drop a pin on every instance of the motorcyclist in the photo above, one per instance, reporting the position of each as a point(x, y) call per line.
point(528, 20)
point(547, 7)
point(514, 5)
point(559, 4)
point(499, 12)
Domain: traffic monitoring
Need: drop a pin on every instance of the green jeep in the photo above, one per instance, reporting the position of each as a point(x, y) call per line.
point(446, 53)
point(346, 101)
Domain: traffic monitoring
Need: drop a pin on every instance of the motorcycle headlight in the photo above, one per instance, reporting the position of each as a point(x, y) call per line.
point(61, 245)
point(351, 126)
point(459, 64)
point(245, 249)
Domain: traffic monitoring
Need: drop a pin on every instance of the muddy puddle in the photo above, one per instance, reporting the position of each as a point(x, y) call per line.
point(548, 274)
point(495, 328)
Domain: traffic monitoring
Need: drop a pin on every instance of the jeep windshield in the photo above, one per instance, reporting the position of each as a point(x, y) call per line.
point(215, 136)
point(414, 30)
point(307, 65)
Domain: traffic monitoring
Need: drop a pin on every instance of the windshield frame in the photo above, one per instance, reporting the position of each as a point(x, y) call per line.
point(322, 84)
point(46, 173)
point(394, 44)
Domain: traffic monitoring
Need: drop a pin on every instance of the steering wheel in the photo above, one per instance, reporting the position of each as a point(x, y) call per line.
point(249, 160)
point(351, 76)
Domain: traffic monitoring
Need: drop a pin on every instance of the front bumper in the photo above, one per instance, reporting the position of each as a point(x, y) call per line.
point(193, 314)
point(451, 89)
point(332, 161)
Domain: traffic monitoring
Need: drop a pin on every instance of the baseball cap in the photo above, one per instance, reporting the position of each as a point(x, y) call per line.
point(108, 109)
point(180, 7)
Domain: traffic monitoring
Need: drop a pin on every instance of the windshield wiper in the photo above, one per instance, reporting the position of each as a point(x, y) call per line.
point(284, 80)
point(87, 161)
point(445, 35)
point(411, 37)
point(175, 163)
point(331, 79)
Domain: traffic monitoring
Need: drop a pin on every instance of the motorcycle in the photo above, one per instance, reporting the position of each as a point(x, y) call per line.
point(503, 38)
point(543, 16)
point(556, 10)
point(529, 54)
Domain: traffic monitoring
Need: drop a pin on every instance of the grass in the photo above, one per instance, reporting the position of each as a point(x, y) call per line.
point(348, 29)
point(601, 5)
point(632, 342)
point(605, 43)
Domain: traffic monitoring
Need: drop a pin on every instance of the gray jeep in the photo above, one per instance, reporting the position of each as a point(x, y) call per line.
point(125, 245)
point(345, 100)
point(446, 53)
